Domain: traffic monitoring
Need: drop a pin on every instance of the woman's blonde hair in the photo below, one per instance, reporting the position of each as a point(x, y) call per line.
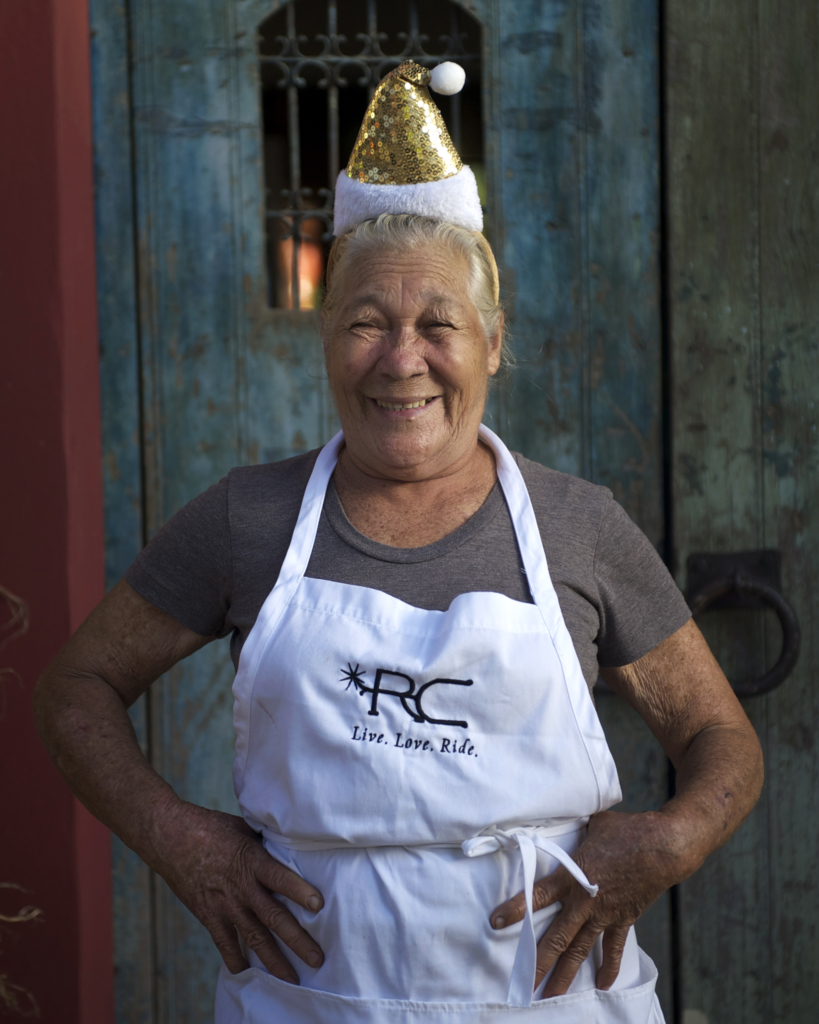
point(405, 232)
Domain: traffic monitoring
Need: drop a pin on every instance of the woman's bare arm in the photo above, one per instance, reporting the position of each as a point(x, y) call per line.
point(212, 861)
point(683, 695)
point(681, 692)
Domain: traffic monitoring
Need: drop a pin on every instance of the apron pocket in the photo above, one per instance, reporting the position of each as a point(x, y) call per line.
point(256, 997)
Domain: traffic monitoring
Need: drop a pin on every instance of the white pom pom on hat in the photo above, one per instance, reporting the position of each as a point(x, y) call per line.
point(447, 78)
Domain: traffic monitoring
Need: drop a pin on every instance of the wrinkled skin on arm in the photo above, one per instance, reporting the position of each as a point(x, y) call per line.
point(681, 692)
point(212, 861)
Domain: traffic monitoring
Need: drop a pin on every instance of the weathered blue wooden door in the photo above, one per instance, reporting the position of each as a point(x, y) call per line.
point(214, 136)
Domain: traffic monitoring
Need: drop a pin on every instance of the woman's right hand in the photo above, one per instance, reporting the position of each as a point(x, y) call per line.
point(217, 867)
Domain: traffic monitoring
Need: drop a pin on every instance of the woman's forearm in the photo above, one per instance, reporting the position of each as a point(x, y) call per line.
point(718, 781)
point(80, 707)
point(684, 697)
point(86, 729)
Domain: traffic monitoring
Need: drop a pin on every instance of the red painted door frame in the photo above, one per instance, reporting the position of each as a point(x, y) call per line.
point(51, 522)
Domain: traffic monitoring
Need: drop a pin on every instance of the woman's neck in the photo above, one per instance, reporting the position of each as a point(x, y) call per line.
point(410, 514)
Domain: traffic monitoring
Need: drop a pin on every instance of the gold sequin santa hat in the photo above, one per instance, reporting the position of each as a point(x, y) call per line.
point(403, 160)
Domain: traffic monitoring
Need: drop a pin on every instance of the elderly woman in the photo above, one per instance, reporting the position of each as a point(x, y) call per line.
point(417, 617)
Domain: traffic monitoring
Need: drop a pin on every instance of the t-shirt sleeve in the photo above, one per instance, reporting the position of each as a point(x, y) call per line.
point(185, 569)
point(640, 604)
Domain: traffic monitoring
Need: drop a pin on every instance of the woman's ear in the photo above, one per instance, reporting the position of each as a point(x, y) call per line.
point(496, 348)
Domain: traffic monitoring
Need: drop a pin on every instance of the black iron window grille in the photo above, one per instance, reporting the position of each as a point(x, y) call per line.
point(320, 63)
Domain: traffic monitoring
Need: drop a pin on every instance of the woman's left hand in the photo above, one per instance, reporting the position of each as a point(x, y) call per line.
point(629, 857)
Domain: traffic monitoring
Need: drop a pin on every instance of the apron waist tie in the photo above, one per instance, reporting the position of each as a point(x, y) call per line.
point(528, 841)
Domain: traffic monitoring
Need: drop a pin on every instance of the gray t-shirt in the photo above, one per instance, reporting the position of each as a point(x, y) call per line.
point(213, 563)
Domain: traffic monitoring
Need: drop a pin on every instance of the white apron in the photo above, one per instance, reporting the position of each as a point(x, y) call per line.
point(420, 768)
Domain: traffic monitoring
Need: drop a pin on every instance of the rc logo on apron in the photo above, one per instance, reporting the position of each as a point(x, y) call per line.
point(407, 696)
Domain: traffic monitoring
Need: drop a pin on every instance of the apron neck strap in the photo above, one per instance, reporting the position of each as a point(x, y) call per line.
point(514, 489)
point(304, 534)
point(524, 522)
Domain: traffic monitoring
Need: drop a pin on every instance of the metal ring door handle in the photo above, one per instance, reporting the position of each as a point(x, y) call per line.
point(791, 635)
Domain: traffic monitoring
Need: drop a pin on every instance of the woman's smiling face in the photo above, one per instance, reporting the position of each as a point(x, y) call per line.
point(408, 361)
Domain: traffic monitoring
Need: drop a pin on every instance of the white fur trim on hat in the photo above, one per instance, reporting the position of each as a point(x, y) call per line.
point(454, 200)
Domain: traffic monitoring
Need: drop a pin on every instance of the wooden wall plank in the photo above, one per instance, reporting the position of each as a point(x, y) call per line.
point(789, 275)
point(742, 95)
point(577, 130)
point(121, 429)
point(620, 261)
point(716, 432)
point(540, 198)
point(116, 284)
point(714, 301)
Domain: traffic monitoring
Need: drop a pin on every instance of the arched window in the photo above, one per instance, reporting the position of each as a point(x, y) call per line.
point(320, 63)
